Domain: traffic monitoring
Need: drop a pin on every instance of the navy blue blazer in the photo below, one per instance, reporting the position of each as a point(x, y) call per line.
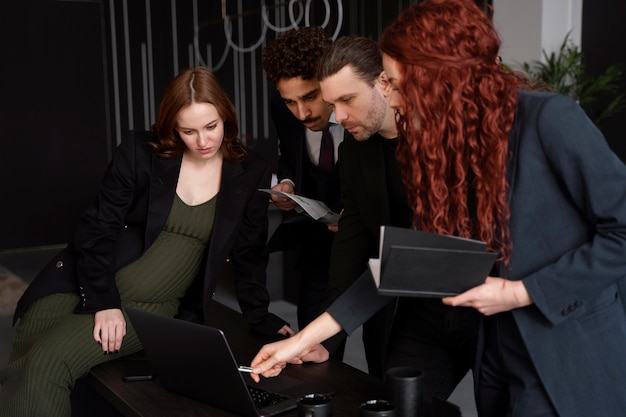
point(130, 211)
point(568, 230)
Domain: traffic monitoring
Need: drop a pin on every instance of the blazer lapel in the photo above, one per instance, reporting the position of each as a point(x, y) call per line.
point(229, 205)
point(512, 164)
point(300, 155)
point(164, 176)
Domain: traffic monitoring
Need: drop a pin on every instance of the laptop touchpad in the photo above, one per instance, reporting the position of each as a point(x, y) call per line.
point(280, 383)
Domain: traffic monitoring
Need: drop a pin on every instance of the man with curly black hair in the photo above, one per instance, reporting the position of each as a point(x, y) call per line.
point(308, 142)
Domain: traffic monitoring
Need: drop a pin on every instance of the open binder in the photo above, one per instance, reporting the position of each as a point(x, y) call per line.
point(413, 263)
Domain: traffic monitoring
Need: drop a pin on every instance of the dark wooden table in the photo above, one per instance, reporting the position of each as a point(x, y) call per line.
point(147, 398)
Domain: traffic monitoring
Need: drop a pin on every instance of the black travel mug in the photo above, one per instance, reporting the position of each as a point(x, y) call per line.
point(404, 387)
point(377, 408)
point(315, 405)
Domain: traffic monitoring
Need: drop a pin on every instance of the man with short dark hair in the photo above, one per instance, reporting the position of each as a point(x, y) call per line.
point(308, 143)
point(353, 81)
point(435, 338)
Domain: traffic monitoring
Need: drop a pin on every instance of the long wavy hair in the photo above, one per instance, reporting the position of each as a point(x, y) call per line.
point(459, 106)
point(196, 85)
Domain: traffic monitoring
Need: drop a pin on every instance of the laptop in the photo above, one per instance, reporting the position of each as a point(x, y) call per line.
point(196, 361)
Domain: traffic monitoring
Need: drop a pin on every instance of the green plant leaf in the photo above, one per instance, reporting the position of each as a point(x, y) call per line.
point(564, 72)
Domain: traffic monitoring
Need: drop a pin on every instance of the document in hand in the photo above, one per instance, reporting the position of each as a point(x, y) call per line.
point(315, 209)
point(413, 263)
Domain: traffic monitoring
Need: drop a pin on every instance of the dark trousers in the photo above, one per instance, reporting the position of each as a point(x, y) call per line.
point(436, 339)
point(508, 384)
point(375, 340)
point(312, 265)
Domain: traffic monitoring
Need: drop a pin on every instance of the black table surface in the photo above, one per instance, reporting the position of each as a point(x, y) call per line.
point(351, 386)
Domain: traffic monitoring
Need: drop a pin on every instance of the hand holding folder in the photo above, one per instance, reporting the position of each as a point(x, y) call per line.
point(413, 263)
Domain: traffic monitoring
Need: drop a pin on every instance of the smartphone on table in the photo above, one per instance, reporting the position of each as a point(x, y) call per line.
point(138, 369)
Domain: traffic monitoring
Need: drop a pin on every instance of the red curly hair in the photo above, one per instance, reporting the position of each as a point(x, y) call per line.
point(454, 153)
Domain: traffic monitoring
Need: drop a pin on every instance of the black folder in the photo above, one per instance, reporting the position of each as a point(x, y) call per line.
point(413, 263)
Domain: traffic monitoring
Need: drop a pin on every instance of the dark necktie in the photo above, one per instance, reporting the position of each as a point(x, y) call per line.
point(327, 150)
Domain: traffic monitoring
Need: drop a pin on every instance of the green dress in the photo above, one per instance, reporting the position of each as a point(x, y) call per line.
point(53, 346)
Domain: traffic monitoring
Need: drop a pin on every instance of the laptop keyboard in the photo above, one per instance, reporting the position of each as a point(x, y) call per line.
point(263, 398)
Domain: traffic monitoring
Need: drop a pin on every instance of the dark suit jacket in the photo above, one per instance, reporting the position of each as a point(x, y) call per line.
point(365, 208)
point(365, 201)
point(568, 226)
point(130, 211)
point(312, 238)
point(294, 162)
point(568, 229)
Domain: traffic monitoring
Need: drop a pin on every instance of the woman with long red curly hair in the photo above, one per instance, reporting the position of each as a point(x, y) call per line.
point(528, 173)
point(454, 123)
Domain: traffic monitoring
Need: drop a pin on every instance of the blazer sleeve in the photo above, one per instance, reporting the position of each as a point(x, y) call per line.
point(358, 303)
point(95, 240)
point(584, 232)
point(249, 259)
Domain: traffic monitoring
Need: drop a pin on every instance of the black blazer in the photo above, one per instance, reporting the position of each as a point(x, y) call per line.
point(365, 208)
point(365, 201)
point(130, 211)
point(294, 163)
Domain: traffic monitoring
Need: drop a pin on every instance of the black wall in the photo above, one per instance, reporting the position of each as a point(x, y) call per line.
point(603, 36)
point(54, 126)
point(76, 75)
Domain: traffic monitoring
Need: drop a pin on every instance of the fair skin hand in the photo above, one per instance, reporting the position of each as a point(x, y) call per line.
point(495, 295)
point(109, 329)
point(303, 347)
point(283, 203)
point(286, 331)
point(335, 227)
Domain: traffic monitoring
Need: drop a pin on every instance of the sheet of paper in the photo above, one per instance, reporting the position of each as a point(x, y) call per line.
point(318, 210)
point(374, 265)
